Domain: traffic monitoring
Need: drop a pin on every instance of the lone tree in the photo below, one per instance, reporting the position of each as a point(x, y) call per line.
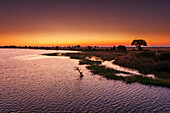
point(139, 43)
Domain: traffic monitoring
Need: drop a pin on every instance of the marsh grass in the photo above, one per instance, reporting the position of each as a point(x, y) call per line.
point(96, 68)
point(147, 62)
point(110, 74)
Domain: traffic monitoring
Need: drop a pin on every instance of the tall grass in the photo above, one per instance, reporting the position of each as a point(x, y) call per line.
point(148, 62)
point(110, 74)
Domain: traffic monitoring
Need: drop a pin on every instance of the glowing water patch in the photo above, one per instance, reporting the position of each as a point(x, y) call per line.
point(35, 57)
point(110, 64)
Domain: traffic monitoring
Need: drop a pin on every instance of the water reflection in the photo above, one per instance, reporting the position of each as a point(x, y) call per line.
point(36, 56)
point(39, 56)
point(53, 85)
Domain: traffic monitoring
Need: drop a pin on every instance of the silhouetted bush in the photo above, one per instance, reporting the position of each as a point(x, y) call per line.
point(121, 48)
point(78, 46)
point(113, 48)
point(56, 47)
point(89, 47)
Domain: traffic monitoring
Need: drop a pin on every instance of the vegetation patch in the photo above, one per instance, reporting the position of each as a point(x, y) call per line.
point(147, 64)
point(110, 74)
point(165, 56)
point(85, 61)
point(51, 54)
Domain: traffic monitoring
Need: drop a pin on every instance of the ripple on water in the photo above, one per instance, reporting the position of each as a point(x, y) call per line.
point(52, 84)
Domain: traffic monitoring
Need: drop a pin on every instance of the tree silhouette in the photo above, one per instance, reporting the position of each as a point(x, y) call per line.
point(56, 47)
point(121, 48)
point(89, 47)
point(78, 46)
point(139, 43)
point(113, 48)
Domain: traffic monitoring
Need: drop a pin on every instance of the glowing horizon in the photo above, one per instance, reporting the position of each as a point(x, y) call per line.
point(69, 23)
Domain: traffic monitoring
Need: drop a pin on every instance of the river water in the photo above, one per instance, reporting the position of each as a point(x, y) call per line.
point(30, 82)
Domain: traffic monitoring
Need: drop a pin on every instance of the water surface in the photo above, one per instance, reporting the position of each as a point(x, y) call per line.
point(30, 82)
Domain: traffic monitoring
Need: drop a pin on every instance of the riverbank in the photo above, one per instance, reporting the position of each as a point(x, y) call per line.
point(96, 68)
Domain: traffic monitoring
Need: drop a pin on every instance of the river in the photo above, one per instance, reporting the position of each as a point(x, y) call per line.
point(30, 82)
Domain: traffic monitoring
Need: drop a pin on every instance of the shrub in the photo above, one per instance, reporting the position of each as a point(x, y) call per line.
point(121, 48)
point(114, 48)
point(165, 56)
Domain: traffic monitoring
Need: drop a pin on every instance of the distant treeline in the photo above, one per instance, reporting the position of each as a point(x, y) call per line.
point(78, 47)
point(29, 47)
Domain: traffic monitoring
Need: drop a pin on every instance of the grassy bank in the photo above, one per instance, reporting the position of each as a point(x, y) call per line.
point(147, 62)
point(110, 74)
point(96, 68)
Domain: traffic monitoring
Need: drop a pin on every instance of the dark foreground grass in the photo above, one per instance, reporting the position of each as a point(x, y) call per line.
point(96, 68)
point(150, 62)
point(110, 74)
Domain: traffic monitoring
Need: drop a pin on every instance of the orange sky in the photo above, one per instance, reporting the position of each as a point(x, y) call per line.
point(51, 23)
point(64, 39)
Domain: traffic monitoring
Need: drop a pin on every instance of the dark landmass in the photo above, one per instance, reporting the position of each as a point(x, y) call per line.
point(86, 48)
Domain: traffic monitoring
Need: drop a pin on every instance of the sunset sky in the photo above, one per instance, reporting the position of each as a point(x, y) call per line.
point(84, 22)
